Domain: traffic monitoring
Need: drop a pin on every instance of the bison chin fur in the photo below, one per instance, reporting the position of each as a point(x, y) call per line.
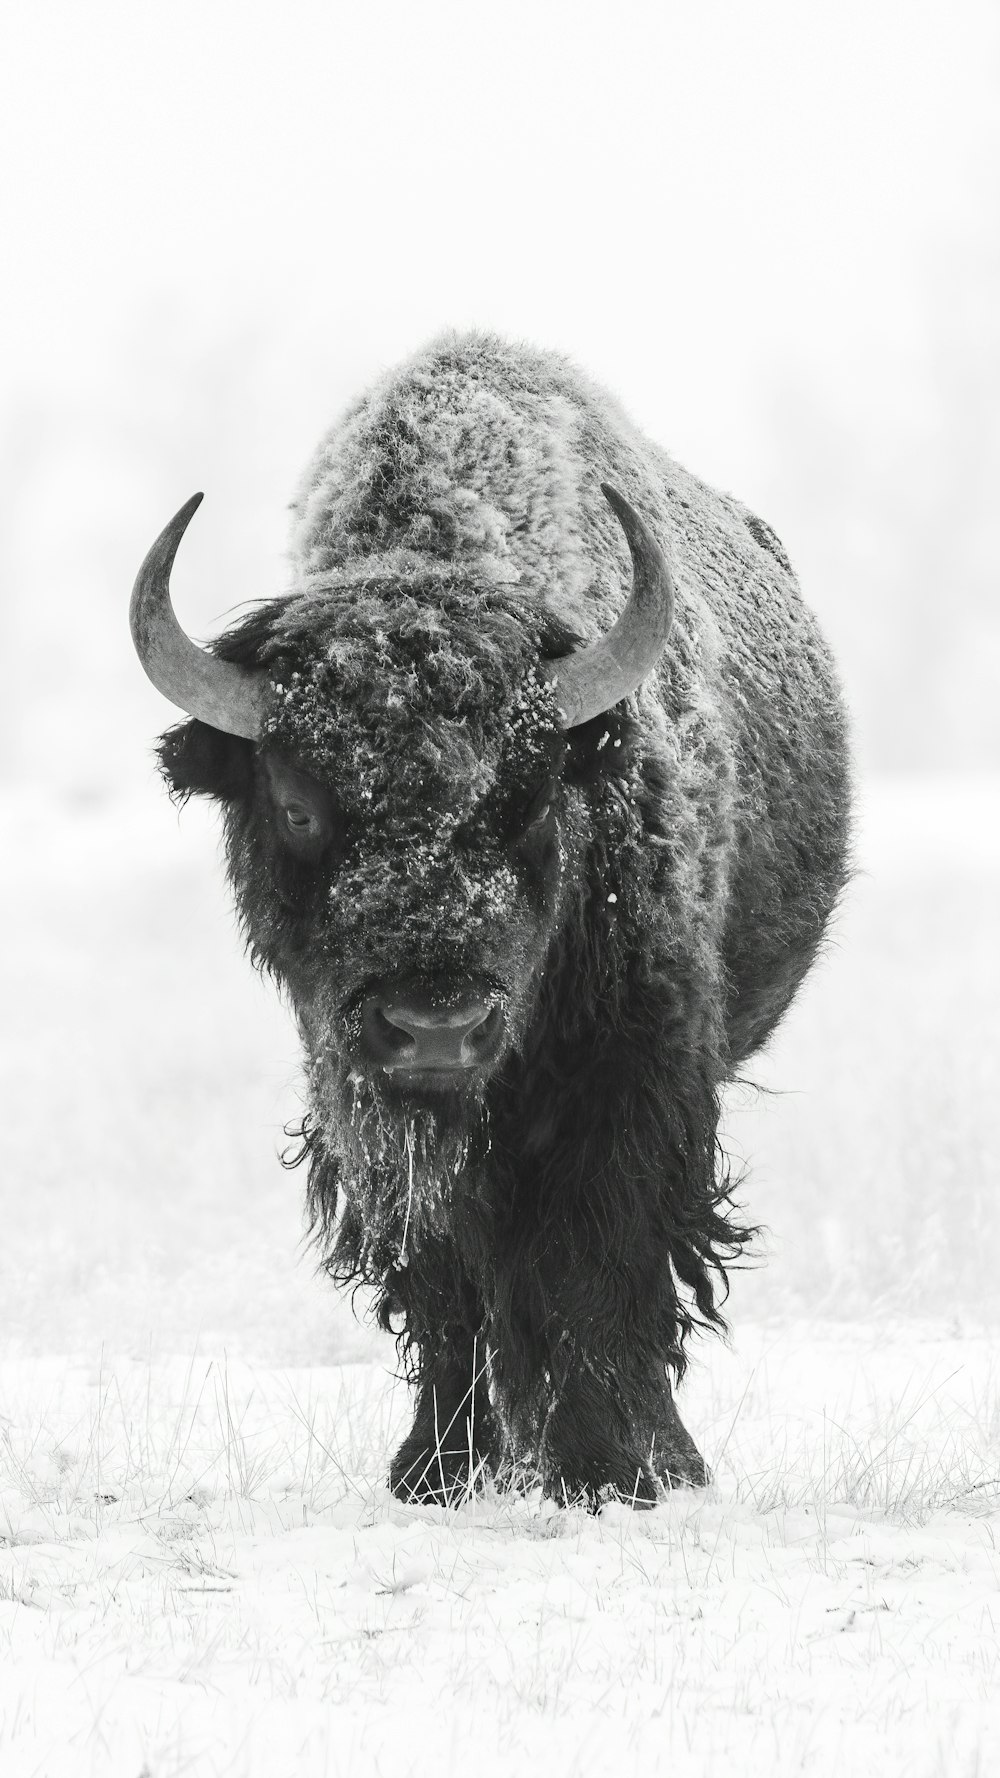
point(396, 1159)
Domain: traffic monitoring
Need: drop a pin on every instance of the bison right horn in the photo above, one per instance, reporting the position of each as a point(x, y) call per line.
point(593, 679)
point(226, 696)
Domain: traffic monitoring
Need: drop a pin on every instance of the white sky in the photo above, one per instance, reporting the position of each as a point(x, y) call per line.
point(707, 205)
point(683, 194)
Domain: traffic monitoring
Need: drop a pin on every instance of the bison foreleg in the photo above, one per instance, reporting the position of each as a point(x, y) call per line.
point(590, 1444)
point(674, 1455)
point(454, 1442)
point(611, 1429)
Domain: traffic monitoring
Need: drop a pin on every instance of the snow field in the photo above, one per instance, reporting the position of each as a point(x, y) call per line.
point(202, 1572)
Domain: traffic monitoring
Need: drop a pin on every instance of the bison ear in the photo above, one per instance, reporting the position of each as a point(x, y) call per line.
point(197, 760)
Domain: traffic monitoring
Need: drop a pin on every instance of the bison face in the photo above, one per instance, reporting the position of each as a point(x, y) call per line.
point(410, 940)
point(403, 844)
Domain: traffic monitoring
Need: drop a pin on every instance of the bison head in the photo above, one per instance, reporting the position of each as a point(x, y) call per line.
point(408, 771)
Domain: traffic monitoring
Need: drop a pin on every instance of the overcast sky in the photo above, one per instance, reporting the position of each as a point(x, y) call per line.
point(684, 193)
point(707, 205)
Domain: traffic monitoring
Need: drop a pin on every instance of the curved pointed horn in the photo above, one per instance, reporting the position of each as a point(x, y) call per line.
point(226, 696)
point(593, 679)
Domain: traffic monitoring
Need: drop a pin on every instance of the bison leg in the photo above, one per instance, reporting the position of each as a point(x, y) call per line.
point(675, 1456)
point(454, 1440)
point(590, 1445)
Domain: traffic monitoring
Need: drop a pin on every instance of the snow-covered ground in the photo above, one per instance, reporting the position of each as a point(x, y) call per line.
point(201, 1571)
point(203, 1574)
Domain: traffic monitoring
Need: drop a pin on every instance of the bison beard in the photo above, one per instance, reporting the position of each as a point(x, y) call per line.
point(420, 801)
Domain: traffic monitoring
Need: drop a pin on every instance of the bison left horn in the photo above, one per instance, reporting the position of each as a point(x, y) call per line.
point(221, 693)
point(593, 679)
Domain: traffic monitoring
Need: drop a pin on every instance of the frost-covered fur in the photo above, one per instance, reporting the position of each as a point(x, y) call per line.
point(543, 1239)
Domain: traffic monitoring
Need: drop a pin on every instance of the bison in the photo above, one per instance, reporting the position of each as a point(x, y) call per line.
point(536, 804)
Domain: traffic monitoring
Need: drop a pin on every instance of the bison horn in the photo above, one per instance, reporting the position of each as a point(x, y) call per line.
point(593, 679)
point(224, 695)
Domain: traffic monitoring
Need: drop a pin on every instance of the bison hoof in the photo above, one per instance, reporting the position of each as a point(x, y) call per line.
point(426, 1475)
point(637, 1489)
point(693, 1475)
point(642, 1495)
point(682, 1466)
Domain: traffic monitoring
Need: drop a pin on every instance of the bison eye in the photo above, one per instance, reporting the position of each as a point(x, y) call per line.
point(306, 829)
point(301, 812)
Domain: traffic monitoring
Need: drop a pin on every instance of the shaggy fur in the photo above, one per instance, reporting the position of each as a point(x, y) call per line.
point(642, 897)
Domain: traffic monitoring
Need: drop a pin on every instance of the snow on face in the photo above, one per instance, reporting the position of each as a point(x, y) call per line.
point(413, 700)
point(430, 731)
point(425, 737)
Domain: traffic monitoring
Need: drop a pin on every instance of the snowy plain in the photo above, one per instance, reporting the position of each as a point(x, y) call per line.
point(201, 1569)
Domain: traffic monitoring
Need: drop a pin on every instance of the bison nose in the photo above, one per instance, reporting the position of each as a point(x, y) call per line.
point(408, 1031)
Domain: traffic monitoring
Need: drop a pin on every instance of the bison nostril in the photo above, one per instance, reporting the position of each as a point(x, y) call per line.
point(482, 1039)
point(413, 1030)
point(394, 1040)
point(382, 1040)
